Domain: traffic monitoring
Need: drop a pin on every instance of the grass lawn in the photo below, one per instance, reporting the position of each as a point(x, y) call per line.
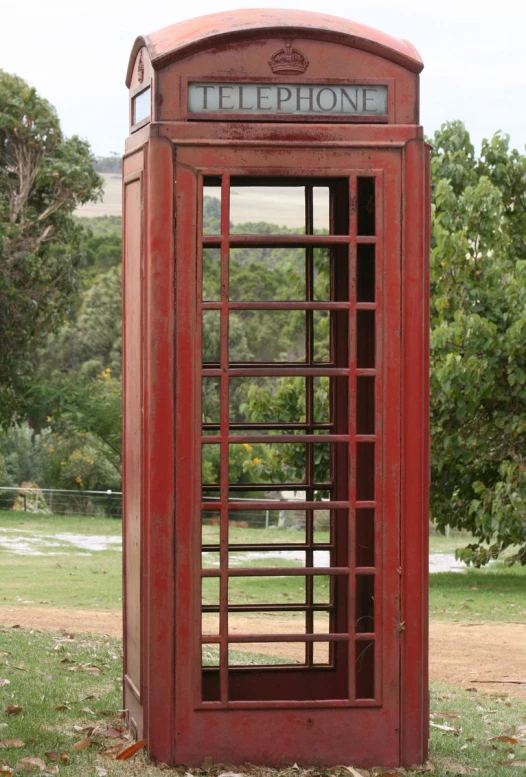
point(69, 692)
point(78, 577)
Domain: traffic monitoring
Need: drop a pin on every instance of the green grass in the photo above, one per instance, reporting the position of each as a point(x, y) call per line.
point(93, 581)
point(54, 524)
point(496, 593)
point(38, 666)
point(68, 579)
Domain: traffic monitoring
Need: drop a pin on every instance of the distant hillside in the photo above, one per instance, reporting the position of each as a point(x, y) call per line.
point(111, 204)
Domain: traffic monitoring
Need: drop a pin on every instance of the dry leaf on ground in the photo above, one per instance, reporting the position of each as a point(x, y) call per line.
point(11, 743)
point(14, 709)
point(30, 765)
point(130, 751)
point(502, 738)
point(443, 728)
point(82, 744)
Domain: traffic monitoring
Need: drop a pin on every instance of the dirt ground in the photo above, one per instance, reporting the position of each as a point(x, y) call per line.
point(488, 657)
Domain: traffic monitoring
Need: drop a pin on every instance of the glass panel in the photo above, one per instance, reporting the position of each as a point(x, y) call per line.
point(321, 585)
point(364, 670)
point(322, 274)
point(365, 273)
point(321, 412)
point(322, 622)
point(321, 326)
point(210, 591)
point(365, 405)
point(210, 655)
point(249, 527)
point(266, 590)
point(365, 471)
point(211, 274)
point(364, 604)
point(210, 560)
point(266, 653)
point(275, 622)
point(210, 527)
point(212, 209)
point(267, 558)
point(321, 209)
point(211, 328)
point(365, 338)
point(366, 206)
point(210, 463)
point(322, 526)
point(321, 453)
point(321, 653)
point(364, 537)
point(267, 463)
point(267, 400)
point(258, 274)
point(210, 623)
point(142, 105)
point(211, 400)
point(267, 336)
point(256, 210)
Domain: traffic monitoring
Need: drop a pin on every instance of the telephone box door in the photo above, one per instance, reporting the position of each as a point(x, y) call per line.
point(288, 445)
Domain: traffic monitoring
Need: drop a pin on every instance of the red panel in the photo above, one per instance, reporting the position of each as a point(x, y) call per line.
point(415, 456)
point(132, 433)
point(159, 450)
point(344, 730)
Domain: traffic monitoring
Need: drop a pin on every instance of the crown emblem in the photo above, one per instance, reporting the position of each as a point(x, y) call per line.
point(288, 60)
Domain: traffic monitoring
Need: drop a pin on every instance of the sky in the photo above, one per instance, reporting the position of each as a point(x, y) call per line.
point(76, 55)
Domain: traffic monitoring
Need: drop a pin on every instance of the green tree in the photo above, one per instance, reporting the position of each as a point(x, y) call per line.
point(478, 342)
point(43, 178)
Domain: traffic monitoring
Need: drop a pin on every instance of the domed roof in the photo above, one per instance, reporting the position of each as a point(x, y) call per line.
point(193, 35)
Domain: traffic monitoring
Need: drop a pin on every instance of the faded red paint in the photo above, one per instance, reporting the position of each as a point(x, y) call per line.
point(368, 704)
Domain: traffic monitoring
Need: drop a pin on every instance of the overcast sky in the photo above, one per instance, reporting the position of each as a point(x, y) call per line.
point(76, 55)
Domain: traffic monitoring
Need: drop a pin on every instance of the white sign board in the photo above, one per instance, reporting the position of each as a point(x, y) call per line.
point(292, 99)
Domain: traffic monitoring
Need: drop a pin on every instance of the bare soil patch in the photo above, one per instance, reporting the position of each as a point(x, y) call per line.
point(486, 657)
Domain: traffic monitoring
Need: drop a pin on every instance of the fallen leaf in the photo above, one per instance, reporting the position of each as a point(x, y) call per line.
point(354, 772)
point(442, 728)
point(14, 709)
point(229, 774)
point(502, 738)
point(88, 710)
point(130, 751)
point(518, 763)
point(52, 770)
point(106, 713)
point(107, 732)
point(51, 755)
point(82, 744)
point(62, 707)
point(64, 758)
point(4, 682)
point(11, 743)
point(5, 770)
point(30, 765)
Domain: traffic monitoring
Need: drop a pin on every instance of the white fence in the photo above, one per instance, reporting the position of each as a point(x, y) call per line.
point(61, 501)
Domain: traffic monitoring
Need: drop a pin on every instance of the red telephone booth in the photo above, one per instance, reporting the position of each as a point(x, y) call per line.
point(276, 228)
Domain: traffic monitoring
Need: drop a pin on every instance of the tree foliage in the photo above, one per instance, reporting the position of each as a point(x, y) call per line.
point(478, 342)
point(43, 178)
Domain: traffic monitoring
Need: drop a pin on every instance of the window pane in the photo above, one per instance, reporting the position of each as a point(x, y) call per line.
point(268, 210)
point(258, 274)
